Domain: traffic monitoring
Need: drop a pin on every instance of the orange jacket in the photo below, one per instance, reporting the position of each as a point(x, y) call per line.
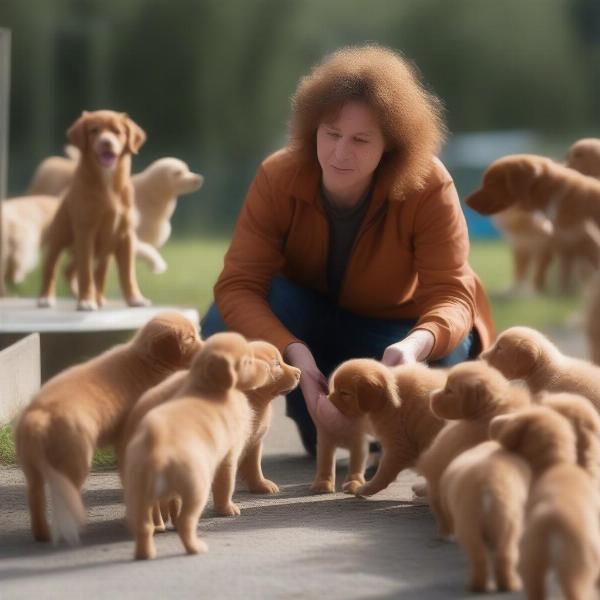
point(409, 259)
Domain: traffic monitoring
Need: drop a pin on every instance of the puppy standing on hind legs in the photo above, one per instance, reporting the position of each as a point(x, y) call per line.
point(185, 446)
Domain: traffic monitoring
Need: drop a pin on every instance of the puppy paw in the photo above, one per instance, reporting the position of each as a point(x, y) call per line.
point(322, 486)
point(101, 301)
point(229, 510)
point(352, 486)
point(87, 305)
point(46, 302)
point(145, 552)
point(138, 301)
point(265, 486)
point(419, 489)
point(509, 583)
point(196, 547)
point(364, 491)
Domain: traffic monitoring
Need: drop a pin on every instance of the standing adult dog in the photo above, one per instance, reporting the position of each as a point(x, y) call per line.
point(96, 215)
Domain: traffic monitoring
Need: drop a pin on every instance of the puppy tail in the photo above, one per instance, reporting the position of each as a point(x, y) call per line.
point(68, 511)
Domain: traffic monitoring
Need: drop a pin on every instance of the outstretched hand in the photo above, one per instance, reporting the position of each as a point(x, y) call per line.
point(315, 389)
point(415, 347)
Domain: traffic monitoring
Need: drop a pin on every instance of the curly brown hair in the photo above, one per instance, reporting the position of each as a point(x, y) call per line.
point(410, 116)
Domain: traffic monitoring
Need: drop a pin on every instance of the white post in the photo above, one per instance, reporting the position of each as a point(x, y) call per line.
point(4, 112)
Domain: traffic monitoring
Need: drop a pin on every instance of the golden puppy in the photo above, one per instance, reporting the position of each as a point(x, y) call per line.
point(95, 217)
point(483, 492)
point(183, 446)
point(473, 395)
point(524, 353)
point(584, 419)
point(562, 526)
point(396, 403)
point(84, 408)
point(283, 378)
point(537, 183)
point(25, 220)
point(584, 156)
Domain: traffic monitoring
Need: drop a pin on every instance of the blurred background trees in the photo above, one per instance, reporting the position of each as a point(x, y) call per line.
point(210, 80)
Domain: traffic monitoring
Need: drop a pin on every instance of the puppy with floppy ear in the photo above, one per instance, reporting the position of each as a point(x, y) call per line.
point(473, 395)
point(85, 407)
point(396, 404)
point(483, 492)
point(584, 419)
point(185, 446)
point(95, 217)
point(524, 353)
point(562, 527)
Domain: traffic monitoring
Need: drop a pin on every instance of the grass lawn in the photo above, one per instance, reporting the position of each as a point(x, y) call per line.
point(194, 266)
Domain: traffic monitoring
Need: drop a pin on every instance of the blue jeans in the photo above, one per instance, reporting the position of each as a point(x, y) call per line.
point(333, 335)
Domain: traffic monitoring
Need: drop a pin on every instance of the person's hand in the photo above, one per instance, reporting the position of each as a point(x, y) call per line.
point(315, 389)
point(415, 347)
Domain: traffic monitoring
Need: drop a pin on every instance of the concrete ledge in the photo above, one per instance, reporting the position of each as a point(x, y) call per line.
point(19, 376)
point(69, 336)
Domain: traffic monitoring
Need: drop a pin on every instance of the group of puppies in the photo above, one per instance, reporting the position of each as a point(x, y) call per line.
point(538, 205)
point(508, 445)
point(184, 416)
point(89, 203)
point(509, 448)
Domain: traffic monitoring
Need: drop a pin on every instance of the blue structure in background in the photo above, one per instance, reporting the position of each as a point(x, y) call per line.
point(467, 155)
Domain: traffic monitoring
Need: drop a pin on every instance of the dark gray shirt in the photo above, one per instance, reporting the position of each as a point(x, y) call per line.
point(344, 224)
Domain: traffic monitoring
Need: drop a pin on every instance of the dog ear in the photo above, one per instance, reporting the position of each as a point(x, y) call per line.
point(508, 430)
point(166, 348)
point(489, 201)
point(218, 371)
point(76, 133)
point(475, 399)
point(136, 136)
point(374, 391)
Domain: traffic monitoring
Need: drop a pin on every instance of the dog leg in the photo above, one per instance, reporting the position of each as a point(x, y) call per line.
point(58, 237)
point(100, 274)
point(124, 255)
point(84, 259)
point(505, 562)
point(223, 485)
point(174, 510)
point(192, 505)
point(472, 543)
point(157, 519)
point(251, 471)
point(359, 452)
point(144, 543)
point(324, 482)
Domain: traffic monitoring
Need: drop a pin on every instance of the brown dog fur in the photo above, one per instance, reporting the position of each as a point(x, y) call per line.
point(184, 446)
point(396, 403)
point(84, 408)
point(562, 529)
point(24, 222)
point(584, 156)
point(584, 419)
point(283, 378)
point(524, 353)
point(95, 218)
point(483, 492)
point(473, 395)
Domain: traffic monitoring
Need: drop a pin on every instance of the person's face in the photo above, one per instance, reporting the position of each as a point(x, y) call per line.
point(349, 148)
